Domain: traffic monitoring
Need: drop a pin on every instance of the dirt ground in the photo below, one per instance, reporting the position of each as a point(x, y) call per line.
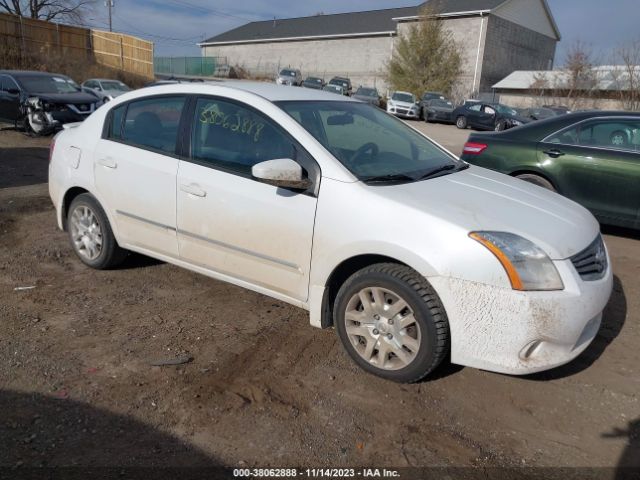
point(264, 388)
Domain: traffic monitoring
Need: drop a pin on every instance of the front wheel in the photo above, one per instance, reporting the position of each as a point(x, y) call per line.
point(391, 322)
point(461, 122)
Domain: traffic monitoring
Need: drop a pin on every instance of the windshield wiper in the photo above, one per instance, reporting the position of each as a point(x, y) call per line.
point(394, 177)
point(439, 170)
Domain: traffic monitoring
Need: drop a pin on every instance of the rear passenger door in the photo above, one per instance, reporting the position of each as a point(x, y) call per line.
point(598, 165)
point(135, 166)
point(243, 230)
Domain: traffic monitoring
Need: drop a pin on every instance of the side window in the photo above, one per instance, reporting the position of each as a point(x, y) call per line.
point(619, 134)
point(568, 136)
point(475, 108)
point(90, 84)
point(115, 122)
point(489, 110)
point(153, 123)
point(232, 137)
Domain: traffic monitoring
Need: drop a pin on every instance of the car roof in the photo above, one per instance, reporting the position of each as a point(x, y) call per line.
point(543, 128)
point(269, 91)
point(103, 80)
point(31, 73)
point(405, 93)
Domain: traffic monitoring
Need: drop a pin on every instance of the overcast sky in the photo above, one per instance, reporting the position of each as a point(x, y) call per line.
point(176, 25)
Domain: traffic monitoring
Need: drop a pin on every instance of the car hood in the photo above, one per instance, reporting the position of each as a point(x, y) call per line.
point(74, 98)
point(478, 199)
point(442, 109)
point(364, 98)
point(406, 105)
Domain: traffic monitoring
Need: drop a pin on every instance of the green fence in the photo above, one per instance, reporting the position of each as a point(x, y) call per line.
point(196, 66)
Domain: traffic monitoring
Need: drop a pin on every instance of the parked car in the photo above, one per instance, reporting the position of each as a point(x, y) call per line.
point(42, 102)
point(314, 82)
point(343, 82)
point(487, 116)
point(403, 104)
point(289, 76)
point(559, 109)
point(428, 96)
point(592, 158)
point(105, 89)
point(368, 95)
point(409, 252)
point(334, 89)
point(539, 113)
point(438, 110)
point(173, 81)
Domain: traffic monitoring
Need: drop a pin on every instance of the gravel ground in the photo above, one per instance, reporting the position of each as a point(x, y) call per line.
point(264, 388)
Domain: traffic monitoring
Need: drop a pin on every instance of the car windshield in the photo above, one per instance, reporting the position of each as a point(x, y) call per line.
point(367, 92)
point(288, 73)
point(48, 84)
point(340, 82)
point(440, 103)
point(403, 97)
point(333, 88)
point(112, 85)
point(370, 143)
point(314, 80)
point(505, 110)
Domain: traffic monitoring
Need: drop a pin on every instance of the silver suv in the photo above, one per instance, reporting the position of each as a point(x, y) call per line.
point(289, 76)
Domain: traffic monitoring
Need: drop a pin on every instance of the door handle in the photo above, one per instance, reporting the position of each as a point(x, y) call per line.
point(193, 189)
point(554, 153)
point(108, 162)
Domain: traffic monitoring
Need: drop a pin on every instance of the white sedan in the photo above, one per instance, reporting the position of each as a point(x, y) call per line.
point(339, 208)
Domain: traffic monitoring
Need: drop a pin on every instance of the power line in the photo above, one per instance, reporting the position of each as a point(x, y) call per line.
point(208, 10)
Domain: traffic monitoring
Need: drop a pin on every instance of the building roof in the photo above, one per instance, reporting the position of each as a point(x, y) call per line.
point(604, 78)
point(344, 24)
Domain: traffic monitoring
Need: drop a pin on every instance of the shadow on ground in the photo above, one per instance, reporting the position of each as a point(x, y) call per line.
point(614, 316)
point(20, 167)
point(40, 432)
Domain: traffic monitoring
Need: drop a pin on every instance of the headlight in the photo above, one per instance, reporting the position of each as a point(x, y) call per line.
point(527, 266)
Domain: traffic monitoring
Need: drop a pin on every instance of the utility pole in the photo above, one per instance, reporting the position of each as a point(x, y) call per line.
point(109, 5)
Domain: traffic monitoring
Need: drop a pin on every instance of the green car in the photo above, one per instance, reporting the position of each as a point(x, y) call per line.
point(592, 158)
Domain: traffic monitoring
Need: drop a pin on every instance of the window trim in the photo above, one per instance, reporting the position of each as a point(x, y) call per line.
point(303, 157)
point(579, 124)
point(109, 116)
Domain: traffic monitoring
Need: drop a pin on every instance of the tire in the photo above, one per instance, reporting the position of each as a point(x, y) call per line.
point(501, 126)
point(619, 138)
point(91, 236)
point(420, 323)
point(461, 122)
point(537, 180)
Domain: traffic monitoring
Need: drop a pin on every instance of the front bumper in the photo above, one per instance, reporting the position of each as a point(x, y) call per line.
point(403, 112)
point(520, 333)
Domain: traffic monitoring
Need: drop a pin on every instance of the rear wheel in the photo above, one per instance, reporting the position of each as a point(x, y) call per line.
point(537, 180)
point(461, 122)
point(391, 322)
point(90, 234)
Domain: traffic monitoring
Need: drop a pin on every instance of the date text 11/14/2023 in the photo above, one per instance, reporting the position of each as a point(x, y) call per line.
point(315, 473)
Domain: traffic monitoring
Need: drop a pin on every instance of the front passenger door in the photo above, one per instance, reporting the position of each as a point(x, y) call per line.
point(9, 102)
point(252, 233)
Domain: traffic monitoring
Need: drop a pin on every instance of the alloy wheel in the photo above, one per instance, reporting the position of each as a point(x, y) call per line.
point(382, 328)
point(86, 232)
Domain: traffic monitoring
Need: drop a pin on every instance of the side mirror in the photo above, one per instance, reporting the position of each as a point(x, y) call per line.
point(282, 172)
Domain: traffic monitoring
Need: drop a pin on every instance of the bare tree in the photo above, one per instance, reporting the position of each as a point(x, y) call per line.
point(426, 58)
point(581, 77)
point(627, 77)
point(68, 10)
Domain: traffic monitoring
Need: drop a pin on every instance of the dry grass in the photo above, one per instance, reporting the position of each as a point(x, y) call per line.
point(79, 69)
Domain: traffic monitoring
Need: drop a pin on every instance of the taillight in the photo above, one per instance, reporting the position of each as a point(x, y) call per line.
point(473, 148)
point(52, 145)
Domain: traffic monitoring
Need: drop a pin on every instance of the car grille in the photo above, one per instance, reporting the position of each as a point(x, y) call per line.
point(402, 111)
point(591, 263)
